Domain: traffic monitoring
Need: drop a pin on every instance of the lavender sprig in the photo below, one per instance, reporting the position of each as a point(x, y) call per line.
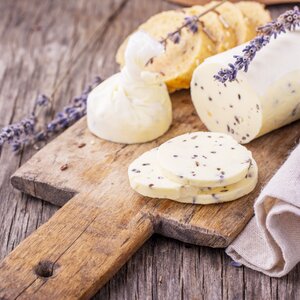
point(288, 21)
point(20, 133)
point(69, 115)
point(192, 24)
point(26, 132)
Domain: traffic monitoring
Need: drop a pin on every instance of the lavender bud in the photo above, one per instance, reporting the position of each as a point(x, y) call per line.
point(235, 264)
point(16, 146)
point(192, 23)
point(287, 21)
point(42, 100)
point(174, 37)
point(24, 132)
point(40, 136)
point(97, 80)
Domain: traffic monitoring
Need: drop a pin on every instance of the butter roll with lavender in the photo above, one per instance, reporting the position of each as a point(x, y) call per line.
point(264, 98)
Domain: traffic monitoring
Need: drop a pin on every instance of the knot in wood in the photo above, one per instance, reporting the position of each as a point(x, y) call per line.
point(44, 268)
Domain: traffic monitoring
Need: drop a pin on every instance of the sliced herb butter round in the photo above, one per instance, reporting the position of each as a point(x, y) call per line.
point(204, 159)
point(146, 178)
point(226, 193)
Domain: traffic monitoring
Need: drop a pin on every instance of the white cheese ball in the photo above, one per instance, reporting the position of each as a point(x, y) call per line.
point(132, 106)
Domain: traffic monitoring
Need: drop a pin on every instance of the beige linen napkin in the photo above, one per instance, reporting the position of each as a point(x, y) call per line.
point(270, 243)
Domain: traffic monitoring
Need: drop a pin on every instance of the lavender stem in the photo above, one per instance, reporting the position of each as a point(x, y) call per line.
point(26, 132)
point(288, 21)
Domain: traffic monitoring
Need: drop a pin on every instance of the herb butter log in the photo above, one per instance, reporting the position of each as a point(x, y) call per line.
point(265, 98)
point(147, 179)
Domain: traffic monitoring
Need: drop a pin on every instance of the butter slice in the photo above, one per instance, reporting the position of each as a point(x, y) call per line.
point(147, 179)
point(204, 159)
point(226, 193)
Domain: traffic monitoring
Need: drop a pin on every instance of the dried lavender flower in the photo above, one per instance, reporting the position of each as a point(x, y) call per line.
point(235, 264)
point(26, 132)
point(69, 115)
point(174, 37)
point(42, 100)
point(191, 23)
point(21, 133)
point(288, 21)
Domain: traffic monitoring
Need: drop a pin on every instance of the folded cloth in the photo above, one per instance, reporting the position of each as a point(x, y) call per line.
point(270, 243)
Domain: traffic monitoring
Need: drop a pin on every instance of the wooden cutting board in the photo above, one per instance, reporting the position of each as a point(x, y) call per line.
point(103, 221)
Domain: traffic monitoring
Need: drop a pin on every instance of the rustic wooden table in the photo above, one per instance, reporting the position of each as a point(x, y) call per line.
point(58, 46)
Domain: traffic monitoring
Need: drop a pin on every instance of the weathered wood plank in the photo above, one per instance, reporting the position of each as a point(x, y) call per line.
point(142, 277)
point(80, 252)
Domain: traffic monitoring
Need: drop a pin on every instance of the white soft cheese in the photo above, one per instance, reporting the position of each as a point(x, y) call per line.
point(132, 106)
point(263, 99)
point(146, 178)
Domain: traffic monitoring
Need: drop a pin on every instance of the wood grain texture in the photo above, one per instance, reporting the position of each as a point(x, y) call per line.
point(77, 251)
point(35, 54)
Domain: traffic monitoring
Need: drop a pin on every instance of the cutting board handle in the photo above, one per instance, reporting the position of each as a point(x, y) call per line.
point(76, 252)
